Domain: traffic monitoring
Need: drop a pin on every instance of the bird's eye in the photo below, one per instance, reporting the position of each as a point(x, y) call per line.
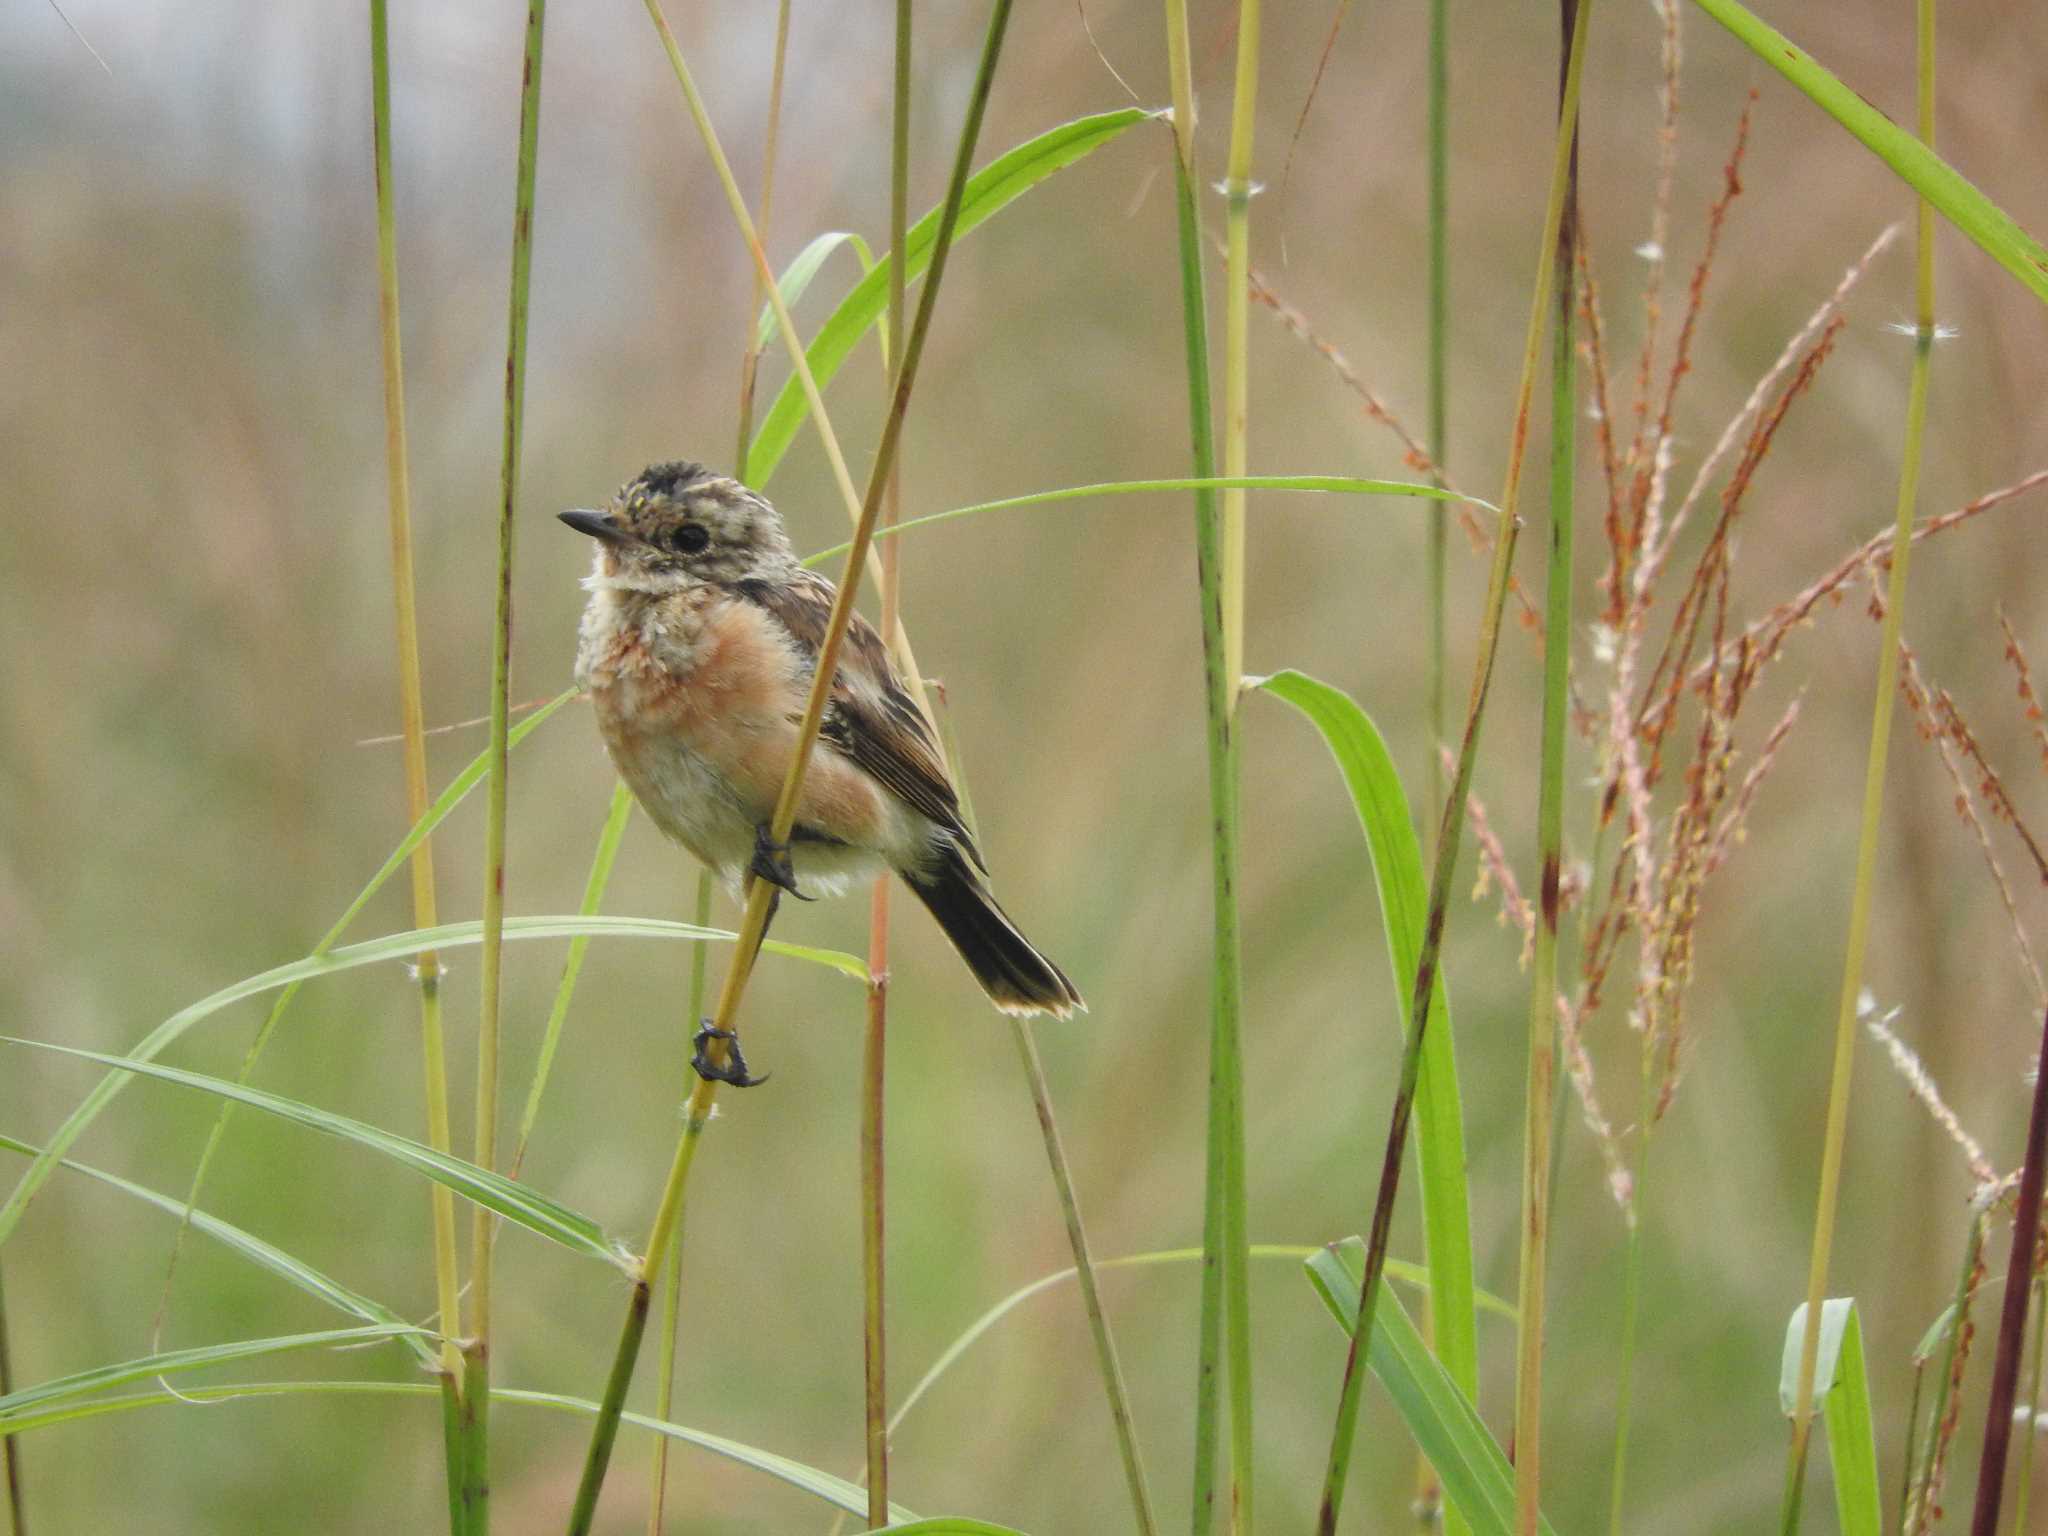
point(690, 539)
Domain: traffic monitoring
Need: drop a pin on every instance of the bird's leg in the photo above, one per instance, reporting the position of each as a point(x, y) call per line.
point(734, 1070)
point(771, 863)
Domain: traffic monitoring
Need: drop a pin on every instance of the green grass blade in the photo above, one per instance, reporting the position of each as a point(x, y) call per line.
point(1476, 1475)
point(1396, 855)
point(989, 191)
point(1842, 1385)
point(514, 1201)
point(293, 1270)
point(796, 277)
point(152, 1044)
point(171, 1361)
point(953, 1526)
point(1913, 162)
point(1341, 485)
point(833, 1490)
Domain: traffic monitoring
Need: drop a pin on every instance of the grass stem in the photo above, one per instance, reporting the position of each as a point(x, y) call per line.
point(1836, 1134)
point(1450, 830)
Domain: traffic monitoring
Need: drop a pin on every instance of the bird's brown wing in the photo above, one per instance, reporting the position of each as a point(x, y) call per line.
point(871, 718)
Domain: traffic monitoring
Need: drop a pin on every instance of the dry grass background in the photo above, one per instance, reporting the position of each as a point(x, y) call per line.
point(195, 636)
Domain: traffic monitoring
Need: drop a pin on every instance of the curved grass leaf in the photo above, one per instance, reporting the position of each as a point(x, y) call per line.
point(171, 1361)
point(1408, 1274)
point(397, 946)
point(1382, 808)
point(265, 1255)
point(796, 277)
point(1841, 1384)
point(1912, 161)
point(989, 191)
point(514, 1201)
point(1476, 1476)
point(1342, 485)
point(953, 1526)
point(88, 1110)
point(836, 1491)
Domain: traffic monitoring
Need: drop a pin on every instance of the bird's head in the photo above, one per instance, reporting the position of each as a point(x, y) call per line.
point(674, 525)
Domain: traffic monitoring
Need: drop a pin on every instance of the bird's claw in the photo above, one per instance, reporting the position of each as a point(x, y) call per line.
point(771, 863)
point(734, 1070)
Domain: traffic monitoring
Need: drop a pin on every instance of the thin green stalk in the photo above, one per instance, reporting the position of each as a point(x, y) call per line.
point(1084, 1272)
point(1915, 1518)
point(1451, 828)
point(1542, 1072)
point(1439, 386)
point(10, 1445)
point(427, 968)
point(2022, 1494)
point(672, 1304)
point(1836, 1136)
point(753, 926)
point(1224, 1165)
point(609, 838)
point(875, 1035)
point(476, 1352)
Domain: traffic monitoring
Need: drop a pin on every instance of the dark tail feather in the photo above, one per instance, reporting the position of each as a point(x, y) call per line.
point(1016, 977)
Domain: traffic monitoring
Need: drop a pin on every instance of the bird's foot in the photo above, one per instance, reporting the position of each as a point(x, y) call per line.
point(734, 1070)
point(771, 863)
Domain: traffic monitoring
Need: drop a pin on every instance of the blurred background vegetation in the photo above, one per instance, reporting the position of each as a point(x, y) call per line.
point(195, 644)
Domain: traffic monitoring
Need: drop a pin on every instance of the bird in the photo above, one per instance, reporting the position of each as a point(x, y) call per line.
point(698, 646)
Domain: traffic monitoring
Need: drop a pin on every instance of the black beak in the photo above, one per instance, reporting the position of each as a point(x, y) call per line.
point(597, 525)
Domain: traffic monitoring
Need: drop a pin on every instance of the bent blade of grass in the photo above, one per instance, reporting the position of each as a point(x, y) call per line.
point(88, 1110)
point(293, 1270)
point(1342, 485)
point(493, 1191)
point(1842, 1386)
point(808, 1479)
point(988, 192)
point(796, 277)
point(1396, 857)
point(1415, 1275)
point(1476, 1477)
point(952, 1526)
point(83, 1383)
point(1983, 221)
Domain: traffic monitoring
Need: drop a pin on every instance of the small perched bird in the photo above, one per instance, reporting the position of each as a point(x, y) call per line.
point(698, 648)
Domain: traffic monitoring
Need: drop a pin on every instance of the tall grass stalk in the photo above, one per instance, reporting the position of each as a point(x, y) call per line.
point(753, 927)
point(1439, 384)
point(10, 1445)
point(700, 953)
point(1836, 1135)
point(1338, 1468)
point(1557, 632)
point(2023, 1493)
point(1223, 1179)
point(875, 1036)
point(427, 968)
point(476, 1349)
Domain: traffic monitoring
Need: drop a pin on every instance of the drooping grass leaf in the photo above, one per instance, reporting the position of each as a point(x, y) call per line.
point(171, 1361)
point(1475, 1474)
point(397, 946)
point(1841, 1385)
point(1396, 856)
point(989, 191)
point(796, 277)
point(1343, 485)
point(1912, 161)
point(266, 1255)
point(952, 1526)
point(836, 1491)
point(88, 1110)
point(514, 1201)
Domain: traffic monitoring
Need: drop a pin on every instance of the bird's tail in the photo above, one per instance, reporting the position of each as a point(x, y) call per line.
point(1016, 977)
